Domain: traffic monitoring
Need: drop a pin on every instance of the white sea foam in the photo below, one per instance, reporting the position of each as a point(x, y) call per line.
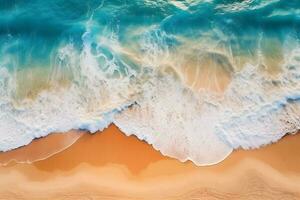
point(255, 109)
point(86, 104)
point(206, 128)
point(175, 121)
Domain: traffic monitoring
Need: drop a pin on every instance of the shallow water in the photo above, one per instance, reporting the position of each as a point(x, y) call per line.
point(196, 79)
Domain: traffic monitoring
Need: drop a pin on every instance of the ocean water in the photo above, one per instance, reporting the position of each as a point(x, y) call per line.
point(194, 78)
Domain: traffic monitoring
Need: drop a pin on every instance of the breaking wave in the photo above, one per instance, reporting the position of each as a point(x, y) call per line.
point(194, 79)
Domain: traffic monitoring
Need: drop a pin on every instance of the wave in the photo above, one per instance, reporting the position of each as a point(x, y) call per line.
point(195, 91)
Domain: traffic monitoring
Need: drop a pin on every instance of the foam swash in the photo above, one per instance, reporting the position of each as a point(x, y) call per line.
point(194, 78)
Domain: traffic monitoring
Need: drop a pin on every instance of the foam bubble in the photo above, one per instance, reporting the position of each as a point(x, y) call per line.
point(175, 121)
point(86, 103)
point(204, 126)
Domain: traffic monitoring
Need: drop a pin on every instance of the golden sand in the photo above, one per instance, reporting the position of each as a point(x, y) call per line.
point(40, 149)
point(110, 165)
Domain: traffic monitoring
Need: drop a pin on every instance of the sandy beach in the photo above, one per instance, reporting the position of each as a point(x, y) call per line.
point(110, 165)
point(212, 85)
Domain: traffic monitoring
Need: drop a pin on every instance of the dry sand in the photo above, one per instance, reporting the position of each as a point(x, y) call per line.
point(111, 166)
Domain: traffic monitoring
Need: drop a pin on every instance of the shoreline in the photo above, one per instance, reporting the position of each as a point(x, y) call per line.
point(111, 165)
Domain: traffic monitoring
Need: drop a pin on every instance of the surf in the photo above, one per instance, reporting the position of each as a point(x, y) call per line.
point(194, 89)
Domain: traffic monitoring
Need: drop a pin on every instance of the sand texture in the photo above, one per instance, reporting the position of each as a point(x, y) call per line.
point(110, 166)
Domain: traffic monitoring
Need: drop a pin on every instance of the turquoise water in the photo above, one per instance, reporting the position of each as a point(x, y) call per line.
point(31, 31)
point(196, 79)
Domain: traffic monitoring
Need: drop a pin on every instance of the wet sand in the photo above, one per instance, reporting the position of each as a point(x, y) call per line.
point(110, 165)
